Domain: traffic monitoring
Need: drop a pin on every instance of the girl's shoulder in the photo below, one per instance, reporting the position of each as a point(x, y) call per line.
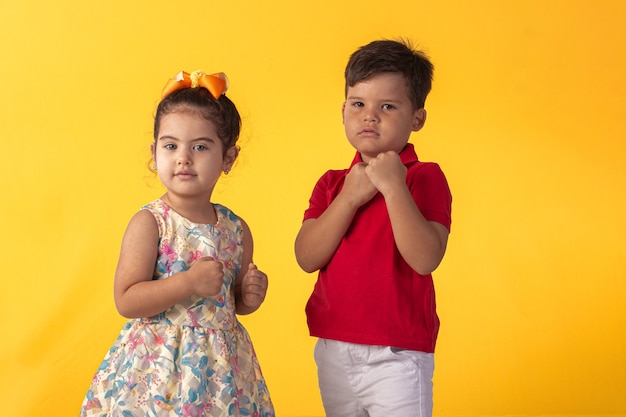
point(227, 216)
point(158, 211)
point(156, 206)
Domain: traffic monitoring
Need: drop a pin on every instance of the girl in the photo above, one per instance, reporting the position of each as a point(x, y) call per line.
point(184, 270)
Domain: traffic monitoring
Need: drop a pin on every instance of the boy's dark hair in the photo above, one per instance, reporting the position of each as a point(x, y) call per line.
point(392, 56)
point(222, 112)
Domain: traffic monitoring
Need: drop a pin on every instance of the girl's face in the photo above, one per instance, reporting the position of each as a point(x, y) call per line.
point(189, 155)
point(378, 115)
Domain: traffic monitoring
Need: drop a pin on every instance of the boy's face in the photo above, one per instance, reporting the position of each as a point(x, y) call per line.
point(378, 115)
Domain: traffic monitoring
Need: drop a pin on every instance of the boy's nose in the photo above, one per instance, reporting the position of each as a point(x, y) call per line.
point(370, 116)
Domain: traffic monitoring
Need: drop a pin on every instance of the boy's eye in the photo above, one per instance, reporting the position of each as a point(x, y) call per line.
point(388, 106)
point(358, 104)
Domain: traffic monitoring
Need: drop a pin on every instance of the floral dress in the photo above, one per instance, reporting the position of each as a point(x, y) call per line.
point(194, 359)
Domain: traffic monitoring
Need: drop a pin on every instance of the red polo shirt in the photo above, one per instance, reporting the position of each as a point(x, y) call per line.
point(367, 293)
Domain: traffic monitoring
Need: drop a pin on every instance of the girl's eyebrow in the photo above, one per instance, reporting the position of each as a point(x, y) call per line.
point(200, 139)
point(167, 137)
point(204, 139)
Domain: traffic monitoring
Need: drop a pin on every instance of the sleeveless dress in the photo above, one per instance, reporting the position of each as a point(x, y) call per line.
point(194, 359)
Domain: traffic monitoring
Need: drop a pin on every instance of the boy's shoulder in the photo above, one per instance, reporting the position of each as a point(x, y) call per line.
point(424, 169)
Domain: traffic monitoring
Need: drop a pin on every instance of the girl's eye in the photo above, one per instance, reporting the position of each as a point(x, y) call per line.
point(169, 146)
point(200, 148)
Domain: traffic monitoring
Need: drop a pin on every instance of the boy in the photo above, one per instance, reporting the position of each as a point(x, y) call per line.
point(376, 232)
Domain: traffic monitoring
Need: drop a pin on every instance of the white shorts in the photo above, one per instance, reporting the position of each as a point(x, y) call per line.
point(375, 381)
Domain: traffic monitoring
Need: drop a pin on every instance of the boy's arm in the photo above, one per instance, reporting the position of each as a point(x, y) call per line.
point(319, 238)
point(421, 243)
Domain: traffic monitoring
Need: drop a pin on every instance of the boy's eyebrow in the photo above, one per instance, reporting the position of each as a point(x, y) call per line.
point(384, 100)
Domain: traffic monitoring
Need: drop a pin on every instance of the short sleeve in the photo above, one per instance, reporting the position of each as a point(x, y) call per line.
point(325, 190)
point(431, 192)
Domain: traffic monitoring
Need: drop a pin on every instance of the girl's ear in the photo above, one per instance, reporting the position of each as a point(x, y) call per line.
point(419, 118)
point(230, 157)
point(153, 153)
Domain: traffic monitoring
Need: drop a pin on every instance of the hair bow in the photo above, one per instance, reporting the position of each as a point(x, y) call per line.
point(217, 83)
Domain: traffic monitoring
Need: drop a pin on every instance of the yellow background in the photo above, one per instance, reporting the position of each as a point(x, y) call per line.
point(527, 118)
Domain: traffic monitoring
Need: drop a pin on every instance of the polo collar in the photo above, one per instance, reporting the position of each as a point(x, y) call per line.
point(407, 156)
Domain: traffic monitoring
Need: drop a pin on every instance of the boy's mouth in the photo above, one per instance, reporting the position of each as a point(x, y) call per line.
point(368, 132)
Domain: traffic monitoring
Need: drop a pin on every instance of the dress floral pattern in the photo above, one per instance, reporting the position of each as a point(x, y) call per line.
point(194, 359)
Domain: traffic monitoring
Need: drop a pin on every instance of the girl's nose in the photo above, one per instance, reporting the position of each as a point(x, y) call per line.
point(184, 158)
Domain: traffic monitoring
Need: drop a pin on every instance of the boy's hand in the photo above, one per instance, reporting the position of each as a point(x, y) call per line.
point(253, 287)
point(386, 172)
point(206, 275)
point(357, 185)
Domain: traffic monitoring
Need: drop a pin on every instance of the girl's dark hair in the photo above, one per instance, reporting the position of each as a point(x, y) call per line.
point(221, 112)
point(392, 56)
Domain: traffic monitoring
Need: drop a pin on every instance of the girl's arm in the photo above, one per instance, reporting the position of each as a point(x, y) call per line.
point(251, 283)
point(319, 238)
point(136, 293)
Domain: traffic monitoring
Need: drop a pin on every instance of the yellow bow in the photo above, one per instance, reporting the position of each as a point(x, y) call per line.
point(217, 83)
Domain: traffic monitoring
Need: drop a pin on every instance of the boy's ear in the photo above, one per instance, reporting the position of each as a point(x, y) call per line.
point(343, 109)
point(419, 118)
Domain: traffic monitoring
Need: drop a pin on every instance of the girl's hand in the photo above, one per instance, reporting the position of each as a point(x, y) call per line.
point(253, 287)
point(206, 275)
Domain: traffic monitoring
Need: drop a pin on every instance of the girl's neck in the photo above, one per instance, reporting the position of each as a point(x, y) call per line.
point(196, 210)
